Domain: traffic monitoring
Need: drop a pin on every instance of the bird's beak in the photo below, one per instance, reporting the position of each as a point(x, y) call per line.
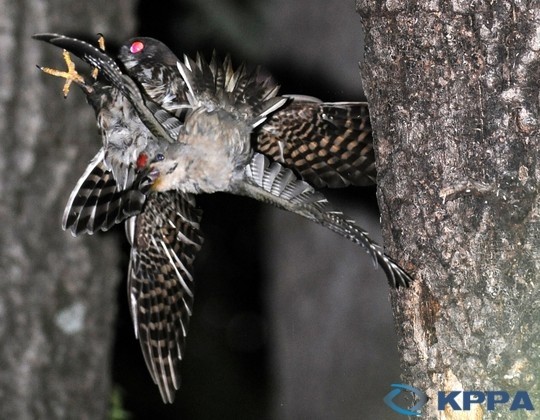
point(148, 179)
point(112, 72)
point(88, 53)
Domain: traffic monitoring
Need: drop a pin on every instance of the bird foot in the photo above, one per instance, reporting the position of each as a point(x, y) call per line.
point(101, 45)
point(71, 75)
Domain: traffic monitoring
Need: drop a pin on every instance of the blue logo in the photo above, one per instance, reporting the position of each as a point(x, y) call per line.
point(414, 410)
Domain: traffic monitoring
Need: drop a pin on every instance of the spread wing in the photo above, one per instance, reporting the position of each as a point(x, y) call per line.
point(273, 183)
point(329, 144)
point(165, 239)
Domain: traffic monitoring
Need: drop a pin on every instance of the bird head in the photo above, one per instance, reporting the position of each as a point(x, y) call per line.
point(140, 54)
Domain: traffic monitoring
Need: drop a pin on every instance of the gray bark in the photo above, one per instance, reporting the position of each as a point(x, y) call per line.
point(453, 89)
point(58, 292)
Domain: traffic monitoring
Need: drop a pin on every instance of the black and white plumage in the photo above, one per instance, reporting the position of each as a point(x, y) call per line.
point(111, 189)
point(213, 128)
point(165, 239)
point(162, 228)
point(273, 183)
point(152, 70)
point(97, 202)
point(329, 143)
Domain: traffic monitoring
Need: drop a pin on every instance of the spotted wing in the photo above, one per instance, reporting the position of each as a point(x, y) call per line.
point(329, 144)
point(96, 202)
point(165, 239)
point(273, 183)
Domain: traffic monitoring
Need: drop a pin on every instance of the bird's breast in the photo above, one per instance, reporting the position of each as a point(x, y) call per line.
point(212, 149)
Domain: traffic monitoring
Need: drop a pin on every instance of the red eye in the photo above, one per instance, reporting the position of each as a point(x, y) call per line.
point(142, 160)
point(136, 47)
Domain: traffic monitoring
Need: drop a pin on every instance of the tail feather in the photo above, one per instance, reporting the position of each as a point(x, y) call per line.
point(219, 85)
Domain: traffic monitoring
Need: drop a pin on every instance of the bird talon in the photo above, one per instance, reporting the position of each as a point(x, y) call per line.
point(101, 42)
point(71, 75)
point(101, 45)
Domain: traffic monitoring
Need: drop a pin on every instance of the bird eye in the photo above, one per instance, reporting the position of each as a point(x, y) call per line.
point(136, 46)
point(159, 157)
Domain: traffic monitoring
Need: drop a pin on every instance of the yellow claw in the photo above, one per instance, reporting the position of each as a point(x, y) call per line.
point(101, 45)
point(101, 42)
point(70, 75)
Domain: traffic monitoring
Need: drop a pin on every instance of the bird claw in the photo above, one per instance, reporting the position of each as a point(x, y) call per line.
point(101, 45)
point(71, 75)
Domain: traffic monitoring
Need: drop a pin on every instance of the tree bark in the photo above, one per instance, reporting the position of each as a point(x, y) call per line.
point(453, 91)
point(58, 292)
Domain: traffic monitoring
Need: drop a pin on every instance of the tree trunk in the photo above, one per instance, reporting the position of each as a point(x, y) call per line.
point(58, 292)
point(453, 91)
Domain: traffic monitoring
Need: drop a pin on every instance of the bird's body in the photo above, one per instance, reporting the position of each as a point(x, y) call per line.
point(200, 163)
point(221, 110)
point(124, 136)
point(110, 190)
point(189, 127)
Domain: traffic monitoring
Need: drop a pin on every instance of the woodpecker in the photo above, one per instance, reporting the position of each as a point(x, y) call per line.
point(329, 144)
point(202, 127)
point(162, 228)
point(110, 190)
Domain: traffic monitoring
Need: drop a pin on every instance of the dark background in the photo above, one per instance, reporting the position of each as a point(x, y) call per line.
point(290, 320)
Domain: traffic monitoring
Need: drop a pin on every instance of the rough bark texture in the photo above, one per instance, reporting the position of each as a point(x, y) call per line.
point(58, 292)
point(453, 90)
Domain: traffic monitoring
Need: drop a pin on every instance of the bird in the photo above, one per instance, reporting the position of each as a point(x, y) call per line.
point(328, 144)
point(211, 128)
point(163, 229)
point(109, 191)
